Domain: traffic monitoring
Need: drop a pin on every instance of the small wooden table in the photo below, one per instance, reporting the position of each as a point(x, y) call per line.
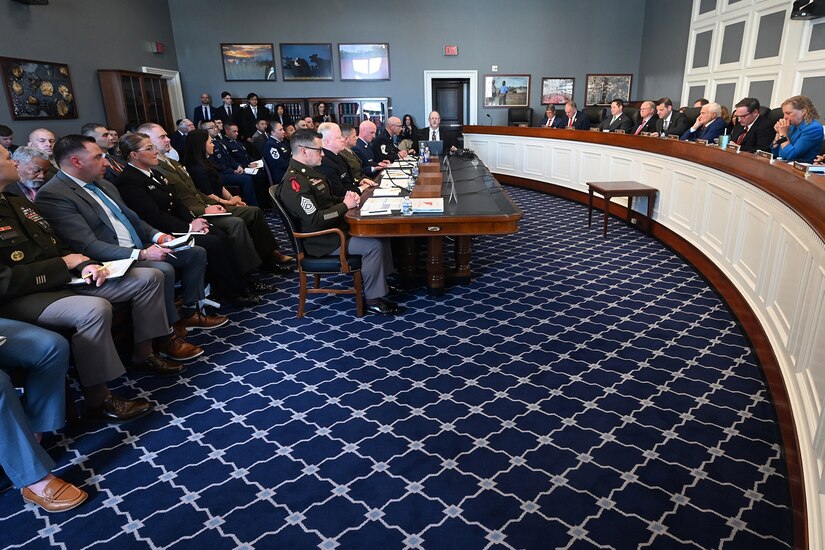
point(629, 189)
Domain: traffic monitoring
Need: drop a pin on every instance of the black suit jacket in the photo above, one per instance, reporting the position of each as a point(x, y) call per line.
point(623, 122)
point(679, 124)
point(220, 112)
point(197, 114)
point(580, 121)
point(153, 199)
point(758, 138)
point(449, 137)
point(246, 120)
point(650, 125)
point(179, 143)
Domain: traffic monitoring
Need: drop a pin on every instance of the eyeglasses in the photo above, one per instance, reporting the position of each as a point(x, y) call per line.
point(319, 149)
point(150, 148)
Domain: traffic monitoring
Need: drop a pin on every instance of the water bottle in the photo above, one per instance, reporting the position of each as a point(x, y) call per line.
point(415, 171)
point(406, 206)
point(410, 182)
point(426, 154)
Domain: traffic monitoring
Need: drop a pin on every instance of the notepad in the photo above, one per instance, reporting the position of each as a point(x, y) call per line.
point(117, 269)
point(217, 215)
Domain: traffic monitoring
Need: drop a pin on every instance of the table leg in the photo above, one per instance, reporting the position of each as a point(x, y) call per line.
point(435, 266)
point(650, 198)
point(606, 210)
point(408, 262)
point(463, 251)
point(629, 210)
point(589, 206)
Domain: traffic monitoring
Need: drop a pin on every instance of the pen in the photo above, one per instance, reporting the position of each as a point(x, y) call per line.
point(168, 253)
point(101, 268)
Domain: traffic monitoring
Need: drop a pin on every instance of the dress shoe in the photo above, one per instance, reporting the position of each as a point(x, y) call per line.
point(159, 366)
point(396, 290)
point(179, 349)
point(275, 268)
point(260, 287)
point(282, 258)
point(200, 320)
point(243, 300)
point(58, 496)
point(384, 307)
point(117, 409)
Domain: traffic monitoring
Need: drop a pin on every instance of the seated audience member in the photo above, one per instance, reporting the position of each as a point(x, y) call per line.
point(709, 124)
point(370, 164)
point(231, 172)
point(32, 165)
point(551, 118)
point(184, 126)
point(576, 120)
point(151, 197)
point(314, 208)
point(301, 124)
point(323, 114)
point(113, 137)
point(700, 102)
point(281, 115)
point(227, 111)
point(409, 133)
point(354, 162)
point(259, 137)
point(670, 122)
point(618, 119)
point(648, 116)
point(753, 132)
point(90, 216)
point(44, 140)
point(7, 138)
point(32, 290)
point(276, 153)
point(289, 129)
point(246, 227)
point(384, 146)
point(103, 138)
point(310, 124)
point(44, 356)
point(238, 155)
point(334, 168)
point(799, 135)
point(434, 132)
point(204, 111)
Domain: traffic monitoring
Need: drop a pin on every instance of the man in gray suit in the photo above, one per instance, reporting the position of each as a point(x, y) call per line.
point(90, 216)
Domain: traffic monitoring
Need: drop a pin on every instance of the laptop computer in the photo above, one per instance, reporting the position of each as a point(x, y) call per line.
point(435, 147)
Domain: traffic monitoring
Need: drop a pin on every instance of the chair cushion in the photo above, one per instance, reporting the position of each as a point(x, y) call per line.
point(329, 264)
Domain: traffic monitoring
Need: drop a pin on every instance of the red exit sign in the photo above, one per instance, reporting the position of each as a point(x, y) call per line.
point(450, 50)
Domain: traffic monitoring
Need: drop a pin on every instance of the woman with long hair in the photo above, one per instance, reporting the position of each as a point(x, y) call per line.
point(409, 131)
point(198, 148)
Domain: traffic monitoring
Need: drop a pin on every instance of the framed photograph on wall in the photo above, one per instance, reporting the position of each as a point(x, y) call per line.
point(38, 90)
point(306, 61)
point(556, 90)
point(248, 61)
point(604, 88)
point(364, 61)
point(506, 90)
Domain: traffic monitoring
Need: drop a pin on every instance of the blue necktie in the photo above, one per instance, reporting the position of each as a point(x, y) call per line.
point(117, 212)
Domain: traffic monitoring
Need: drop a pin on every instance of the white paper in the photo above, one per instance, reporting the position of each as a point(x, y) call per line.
point(117, 268)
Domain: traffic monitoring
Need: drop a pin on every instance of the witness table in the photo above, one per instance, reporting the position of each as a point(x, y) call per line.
point(482, 207)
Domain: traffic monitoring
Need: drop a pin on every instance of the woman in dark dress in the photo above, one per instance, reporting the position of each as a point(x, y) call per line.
point(409, 131)
point(281, 115)
point(198, 148)
point(147, 192)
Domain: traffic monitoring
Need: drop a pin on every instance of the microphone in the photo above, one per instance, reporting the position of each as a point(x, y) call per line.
point(491, 119)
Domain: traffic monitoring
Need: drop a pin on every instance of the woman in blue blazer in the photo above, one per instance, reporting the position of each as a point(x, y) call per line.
point(799, 135)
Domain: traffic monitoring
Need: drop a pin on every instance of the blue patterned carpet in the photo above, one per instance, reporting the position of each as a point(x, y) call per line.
point(580, 393)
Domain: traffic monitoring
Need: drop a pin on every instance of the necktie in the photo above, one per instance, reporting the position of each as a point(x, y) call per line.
point(118, 213)
point(229, 110)
point(30, 192)
point(570, 122)
point(742, 135)
point(433, 136)
point(665, 123)
point(205, 113)
point(639, 129)
point(116, 166)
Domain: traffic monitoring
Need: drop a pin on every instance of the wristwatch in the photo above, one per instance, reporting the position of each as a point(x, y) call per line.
point(781, 139)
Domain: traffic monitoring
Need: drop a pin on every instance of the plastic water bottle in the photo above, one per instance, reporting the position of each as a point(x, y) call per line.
point(426, 154)
point(415, 171)
point(406, 206)
point(410, 182)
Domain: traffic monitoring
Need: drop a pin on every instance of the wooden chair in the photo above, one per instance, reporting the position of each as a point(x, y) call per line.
point(320, 265)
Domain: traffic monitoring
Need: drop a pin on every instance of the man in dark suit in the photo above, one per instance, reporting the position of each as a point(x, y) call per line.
point(204, 111)
point(89, 215)
point(753, 132)
point(104, 140)
point(709, 125)
point(434, 132)
point(576, 120)
point(551, 119)
point(178, 138)
point(647, 113)
point(618, 119)
point(249, 117)
point(227, 111)
point(6, 138)
point(369, 164)
point(670, 122)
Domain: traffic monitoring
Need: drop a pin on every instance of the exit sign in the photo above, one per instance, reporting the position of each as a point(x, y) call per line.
point(450, 50)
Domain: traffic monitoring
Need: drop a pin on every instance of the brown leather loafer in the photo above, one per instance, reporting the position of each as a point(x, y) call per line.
point(282, 258)
point(200, 320)
point(159, 366)
point(117, 409)
point(179, 349)
point(58, 496)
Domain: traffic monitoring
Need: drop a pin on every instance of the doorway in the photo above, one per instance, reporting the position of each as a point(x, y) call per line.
point(451, 100)
point(470, 98)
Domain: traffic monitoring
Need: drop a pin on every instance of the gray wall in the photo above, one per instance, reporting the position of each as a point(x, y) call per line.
point(666, 29)
point(87, 35)
point(536, 37)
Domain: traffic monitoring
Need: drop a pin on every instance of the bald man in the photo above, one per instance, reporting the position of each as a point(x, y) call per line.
point(385, 146)
point(44, 140)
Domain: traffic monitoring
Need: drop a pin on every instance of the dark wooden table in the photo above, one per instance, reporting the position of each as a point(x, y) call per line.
point(629, 189)
point(482, 208)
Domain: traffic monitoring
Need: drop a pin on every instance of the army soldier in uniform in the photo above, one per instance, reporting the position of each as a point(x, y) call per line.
point(306, 195)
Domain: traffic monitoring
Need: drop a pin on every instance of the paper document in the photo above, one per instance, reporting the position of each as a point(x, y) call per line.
point(435, 204)
point(378, 206)
point(216, 215)
point(256, 164)
point(183, 240)
point(386, 192)
point(117, 268)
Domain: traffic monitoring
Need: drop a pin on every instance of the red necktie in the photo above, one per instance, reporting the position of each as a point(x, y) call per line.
point(741, 137)
point(570, 122)
point(639, 129)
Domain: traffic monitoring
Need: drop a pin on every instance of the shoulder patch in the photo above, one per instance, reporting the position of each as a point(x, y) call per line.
point(275, 154)
point(307, 205)
point(383, 148)
point(295, 185)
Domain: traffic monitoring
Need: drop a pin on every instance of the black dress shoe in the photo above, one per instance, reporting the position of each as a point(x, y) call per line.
point(260, 287)
point(384, 307)
point(275, 269)
point(244, 300)
point(159, 366)
point(117, 409)
point(396, 290)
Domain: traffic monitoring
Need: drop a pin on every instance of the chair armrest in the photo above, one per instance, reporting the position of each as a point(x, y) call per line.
point(343, 249)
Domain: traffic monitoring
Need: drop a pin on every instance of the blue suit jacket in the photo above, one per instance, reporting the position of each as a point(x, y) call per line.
point(805, 142)
point(365, 153)
point(709, 132)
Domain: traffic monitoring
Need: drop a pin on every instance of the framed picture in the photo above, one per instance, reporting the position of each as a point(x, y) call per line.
point(556, 90)
point(306, 61)
point(364, 61)
point(506, 90)
point(248, 61)
point(38, 89)
point(604, 88)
